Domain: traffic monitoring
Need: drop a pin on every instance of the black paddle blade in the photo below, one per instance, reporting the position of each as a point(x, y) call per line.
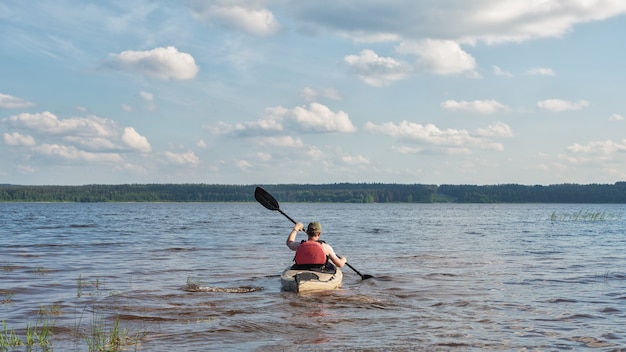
point(365, 277)
point(266, 199)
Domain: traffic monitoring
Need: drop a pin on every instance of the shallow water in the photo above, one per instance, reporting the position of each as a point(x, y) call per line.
point(205, 276)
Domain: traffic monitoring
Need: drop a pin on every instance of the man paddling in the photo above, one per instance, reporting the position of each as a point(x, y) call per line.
point(312, 252)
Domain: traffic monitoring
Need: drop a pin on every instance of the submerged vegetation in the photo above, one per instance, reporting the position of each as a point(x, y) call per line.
point(337, 192)
point(101, 333)
point(581, 215)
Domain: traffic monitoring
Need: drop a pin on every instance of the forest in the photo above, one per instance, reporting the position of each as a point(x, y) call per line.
point(332, 193)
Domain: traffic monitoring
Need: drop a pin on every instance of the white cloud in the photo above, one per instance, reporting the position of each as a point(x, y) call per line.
point(447, 139)
point(312, 118)
point(146, 96)
point(499, 129)
point(320, 118)
point(314, 153)
point(375, 70)
point(48, 123)
point(263, 156)
point(616, 117)
point(598, 148)
point(11, 102)
point(459, 21)
point(135, 141)
point(558, 105)
point(310, 94)
point(476, 106)
point(442, 57)
point(201, 144)
point(160, 63)
point(243, 165)
point(17, 139)
point(500, 72)
point(601, 153)
point(355, 160)
point(540, 71)
point(69, 137)
point(183, 159)
point(281, 141)
point(75, 154)
point(237, 15)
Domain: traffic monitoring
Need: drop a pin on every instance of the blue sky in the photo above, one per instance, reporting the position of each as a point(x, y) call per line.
point(258, 92)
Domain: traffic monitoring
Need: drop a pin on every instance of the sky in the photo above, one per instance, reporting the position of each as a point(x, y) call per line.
point(312, 92)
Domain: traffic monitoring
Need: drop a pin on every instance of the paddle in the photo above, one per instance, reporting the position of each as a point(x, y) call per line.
point(268, 201)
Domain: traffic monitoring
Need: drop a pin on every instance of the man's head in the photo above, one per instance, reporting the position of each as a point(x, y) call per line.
point(314, 228)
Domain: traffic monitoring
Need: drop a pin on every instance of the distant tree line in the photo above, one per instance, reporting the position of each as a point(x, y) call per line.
point(333, 193)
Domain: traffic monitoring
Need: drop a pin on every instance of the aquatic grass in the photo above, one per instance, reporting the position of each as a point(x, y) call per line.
point(6, 296)
point(8, 338)
point(39, 334)
point(51, 310)
point(110, 338)
point(82, 284)
point(8, 268)
point(581, 215)
point(40, 270)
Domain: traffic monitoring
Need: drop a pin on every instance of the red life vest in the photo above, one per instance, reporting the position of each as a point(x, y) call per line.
point(310, 252)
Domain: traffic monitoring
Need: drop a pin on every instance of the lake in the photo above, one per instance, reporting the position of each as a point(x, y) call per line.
point(205, 276)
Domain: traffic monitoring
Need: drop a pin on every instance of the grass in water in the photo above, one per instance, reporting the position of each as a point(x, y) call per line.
point(110, 338)
point(6, 296)
point(8, 338)
point(82, 284)
point(40, 334)
point(581, 215)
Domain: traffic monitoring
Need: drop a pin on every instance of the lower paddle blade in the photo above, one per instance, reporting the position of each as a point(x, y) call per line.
point(365, 277)
point(266, 199)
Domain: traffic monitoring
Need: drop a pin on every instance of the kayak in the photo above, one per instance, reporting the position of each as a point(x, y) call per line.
point(305, 280)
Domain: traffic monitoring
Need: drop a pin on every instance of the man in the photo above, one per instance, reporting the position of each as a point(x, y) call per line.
point(312, 252)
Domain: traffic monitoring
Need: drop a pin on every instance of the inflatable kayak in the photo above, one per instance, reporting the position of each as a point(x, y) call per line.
point(295, 279)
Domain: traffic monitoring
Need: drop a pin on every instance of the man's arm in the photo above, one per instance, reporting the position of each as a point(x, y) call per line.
point(291, 239)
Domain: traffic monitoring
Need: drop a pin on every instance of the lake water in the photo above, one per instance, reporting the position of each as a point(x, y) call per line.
point(205, 276)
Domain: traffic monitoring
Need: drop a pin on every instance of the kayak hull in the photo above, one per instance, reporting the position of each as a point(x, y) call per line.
point(303, 280)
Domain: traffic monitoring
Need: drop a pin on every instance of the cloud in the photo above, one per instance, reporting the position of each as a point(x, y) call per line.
point(375, 70)
point(149, 97)
point(17, 139)
point(315, 117)
point(135, 141)
point(598, 148)
point(476, 106)
point(243, 165)
point(449, 139)
point(319, 118)
point(466, 22)
point(594, 153)
point(236, 15)
point(355, 160)
point(89, 138)
point(499, 129)
point(160, 63)
point(616, 117)
point(540, 71)
point(558, 105)
point(74, 154)
point(500, 72)
point(183, 159)
point(281, 141)
point(11, 102)
point(442, 57)
point(310, 94)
